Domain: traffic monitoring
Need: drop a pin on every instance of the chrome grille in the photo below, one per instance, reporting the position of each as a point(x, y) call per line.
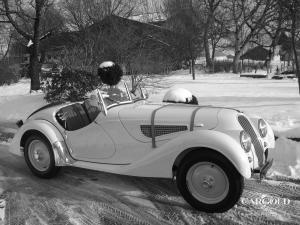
point(161, 129)
point(246, 125)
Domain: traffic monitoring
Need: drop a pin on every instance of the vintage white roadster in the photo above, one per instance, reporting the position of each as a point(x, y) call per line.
point(207, 150)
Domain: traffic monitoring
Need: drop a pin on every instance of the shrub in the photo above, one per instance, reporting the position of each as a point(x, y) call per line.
point(7, 76)
point(24, 70)
point(71, 85)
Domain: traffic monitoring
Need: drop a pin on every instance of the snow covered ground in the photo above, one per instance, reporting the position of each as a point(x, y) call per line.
point(80, 196)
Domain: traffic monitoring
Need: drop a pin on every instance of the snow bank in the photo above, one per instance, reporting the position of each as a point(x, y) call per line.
point(289, 133)
point(286, 157)
point(20, 107)
point(17, 103)
point(20, 88)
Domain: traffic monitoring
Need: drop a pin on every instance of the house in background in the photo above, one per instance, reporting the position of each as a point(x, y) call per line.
point(139, 47)
point(280, 61)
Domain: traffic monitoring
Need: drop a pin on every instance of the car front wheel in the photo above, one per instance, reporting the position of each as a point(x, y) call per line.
point(209, 182)
point(39, 156)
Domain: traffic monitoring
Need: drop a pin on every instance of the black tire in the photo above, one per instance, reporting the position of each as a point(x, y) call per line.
point(52, 169)
point(236, 181)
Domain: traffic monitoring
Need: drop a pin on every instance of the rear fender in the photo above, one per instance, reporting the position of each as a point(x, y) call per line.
point(160, 161)
point(47, 129)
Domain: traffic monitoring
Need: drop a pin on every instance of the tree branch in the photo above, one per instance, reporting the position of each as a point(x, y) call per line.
point(13, 22)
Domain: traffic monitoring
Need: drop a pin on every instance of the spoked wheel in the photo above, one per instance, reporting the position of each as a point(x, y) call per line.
point(39, 157)
point(209, 182)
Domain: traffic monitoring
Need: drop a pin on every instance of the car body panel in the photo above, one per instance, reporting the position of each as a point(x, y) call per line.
point(133, 117)
point(150, 162)
point(97, 144)
point(159, 162)
point(43, 126)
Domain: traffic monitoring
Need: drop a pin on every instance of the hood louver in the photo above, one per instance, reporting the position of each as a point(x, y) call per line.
point(160, 130)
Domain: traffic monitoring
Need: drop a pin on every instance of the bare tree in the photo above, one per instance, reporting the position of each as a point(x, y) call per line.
point(212, 22)
point(292, 11)
point(247, 18)
point(184, 19)
point(25, 17)
point(82, 13)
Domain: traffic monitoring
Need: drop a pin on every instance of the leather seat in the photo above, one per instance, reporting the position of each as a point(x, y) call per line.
point(91, 110)
point(73, 117)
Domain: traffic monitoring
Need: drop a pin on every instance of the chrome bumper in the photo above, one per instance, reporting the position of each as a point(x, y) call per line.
point(264, 169)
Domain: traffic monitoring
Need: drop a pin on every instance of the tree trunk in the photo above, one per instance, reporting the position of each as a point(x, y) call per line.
point(8, 48)
point(237, 53)
point(43, 57)
point(193, 69)
point(236, 62)
point(207, 27)
point(34, 60)
point(207, 51)
point(296, 61)
point(213, 58)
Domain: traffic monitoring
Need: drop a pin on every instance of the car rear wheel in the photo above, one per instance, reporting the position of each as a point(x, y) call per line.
point(209, 182)
point(39, 156)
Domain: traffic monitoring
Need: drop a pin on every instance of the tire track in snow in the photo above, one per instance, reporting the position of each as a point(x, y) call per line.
point(79, 196)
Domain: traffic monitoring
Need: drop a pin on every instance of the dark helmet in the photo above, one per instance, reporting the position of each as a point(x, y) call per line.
point(110, 73)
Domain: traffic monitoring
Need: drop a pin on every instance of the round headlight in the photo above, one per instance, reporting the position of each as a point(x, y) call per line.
point(245, 141)
point(262, 127)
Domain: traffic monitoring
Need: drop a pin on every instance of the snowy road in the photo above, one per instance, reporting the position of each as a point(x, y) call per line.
point(79, 196)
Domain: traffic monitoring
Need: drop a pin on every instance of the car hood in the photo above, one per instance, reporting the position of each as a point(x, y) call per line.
point(172, 116)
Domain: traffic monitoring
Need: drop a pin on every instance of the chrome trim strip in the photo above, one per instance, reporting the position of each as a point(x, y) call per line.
point(192, 123)
point(152, 125)
point(168, 105)
point(249, 128)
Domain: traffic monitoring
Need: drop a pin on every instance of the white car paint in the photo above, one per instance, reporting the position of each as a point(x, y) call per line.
point(114, 141)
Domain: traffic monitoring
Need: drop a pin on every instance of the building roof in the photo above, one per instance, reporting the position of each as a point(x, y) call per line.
point(257, 53)
point(141, 29)
point(59, 40)
point(125, 22)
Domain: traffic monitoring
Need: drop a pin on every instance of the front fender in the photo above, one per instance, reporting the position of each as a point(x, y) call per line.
point(50, 132)
point(159, 163)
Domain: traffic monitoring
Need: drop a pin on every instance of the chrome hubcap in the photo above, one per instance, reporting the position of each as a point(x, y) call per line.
point(207, 182)
point(39, 155)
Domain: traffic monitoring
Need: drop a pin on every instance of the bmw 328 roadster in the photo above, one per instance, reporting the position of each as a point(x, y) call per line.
point(208, 150)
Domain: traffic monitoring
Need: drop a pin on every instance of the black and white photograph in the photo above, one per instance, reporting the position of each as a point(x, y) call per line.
point(141, 112)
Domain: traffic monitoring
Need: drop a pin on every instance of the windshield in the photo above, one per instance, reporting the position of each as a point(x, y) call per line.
point(114, 95)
